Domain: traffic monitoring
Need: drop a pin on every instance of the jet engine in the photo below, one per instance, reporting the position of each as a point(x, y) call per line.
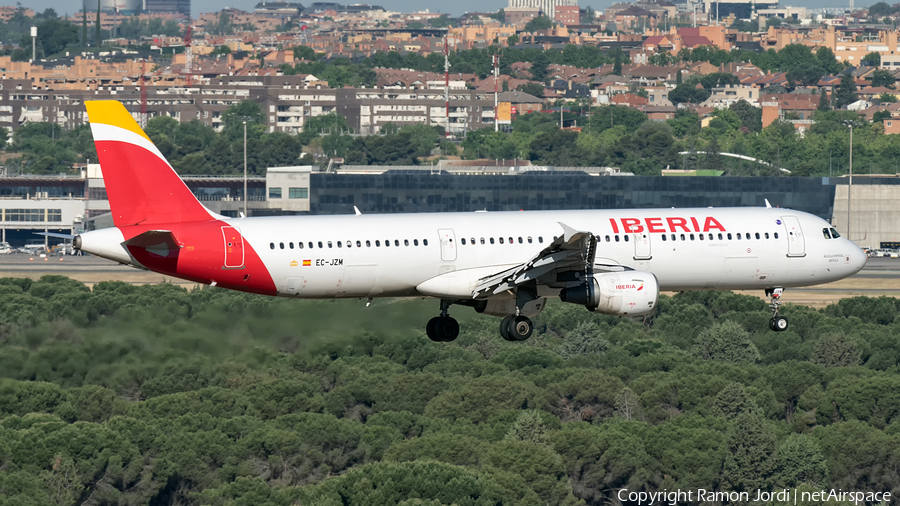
point(616, 293)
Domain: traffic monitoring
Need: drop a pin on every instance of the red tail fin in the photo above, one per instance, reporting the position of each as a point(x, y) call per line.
point(141, 185)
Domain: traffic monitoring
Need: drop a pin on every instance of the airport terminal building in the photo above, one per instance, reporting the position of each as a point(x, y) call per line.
point(70, 204)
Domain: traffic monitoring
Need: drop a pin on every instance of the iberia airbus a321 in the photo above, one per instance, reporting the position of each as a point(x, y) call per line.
point(505, 264)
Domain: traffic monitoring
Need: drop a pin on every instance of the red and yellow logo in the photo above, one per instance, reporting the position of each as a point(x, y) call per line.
point(307, 263)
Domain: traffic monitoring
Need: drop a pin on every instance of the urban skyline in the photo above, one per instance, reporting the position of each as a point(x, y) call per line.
point(454, 9)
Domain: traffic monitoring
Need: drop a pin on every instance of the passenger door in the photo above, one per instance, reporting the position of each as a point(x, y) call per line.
point(796, 243)
point(234, 248)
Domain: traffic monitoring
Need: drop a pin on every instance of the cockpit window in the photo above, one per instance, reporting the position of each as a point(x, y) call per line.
point(835, 234)
point(826, 233)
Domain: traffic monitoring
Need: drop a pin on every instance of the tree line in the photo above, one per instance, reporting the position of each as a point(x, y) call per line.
point(153, 394)
point(616, 136)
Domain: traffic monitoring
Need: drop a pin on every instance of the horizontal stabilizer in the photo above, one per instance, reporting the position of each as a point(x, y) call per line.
point(54, 234)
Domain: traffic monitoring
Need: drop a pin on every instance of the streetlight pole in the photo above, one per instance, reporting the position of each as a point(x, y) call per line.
point(245, 168)
point(850, 190)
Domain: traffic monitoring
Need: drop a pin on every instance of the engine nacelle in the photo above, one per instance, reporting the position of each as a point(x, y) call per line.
point(616, 293)
point(507, 307)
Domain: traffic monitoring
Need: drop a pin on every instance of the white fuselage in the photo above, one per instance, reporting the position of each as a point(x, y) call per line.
point(687, 249)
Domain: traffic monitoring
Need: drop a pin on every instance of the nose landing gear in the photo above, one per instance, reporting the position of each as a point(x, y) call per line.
point(777, 323)
point(443, 328)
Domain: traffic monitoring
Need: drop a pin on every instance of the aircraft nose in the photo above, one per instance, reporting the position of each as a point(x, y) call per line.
point(857, 259)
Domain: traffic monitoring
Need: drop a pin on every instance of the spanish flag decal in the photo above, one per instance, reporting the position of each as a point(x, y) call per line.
point(307, 263)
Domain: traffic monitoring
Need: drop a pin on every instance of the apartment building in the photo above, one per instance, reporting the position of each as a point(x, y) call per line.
point(287, 101)
point(547, 7)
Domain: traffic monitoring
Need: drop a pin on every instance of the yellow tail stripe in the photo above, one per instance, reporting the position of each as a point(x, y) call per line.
point(111, 112)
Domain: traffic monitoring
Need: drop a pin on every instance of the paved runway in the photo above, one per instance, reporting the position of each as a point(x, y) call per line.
point(880, 276)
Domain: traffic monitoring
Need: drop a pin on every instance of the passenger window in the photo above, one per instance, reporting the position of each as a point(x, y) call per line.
point(541, 239)
point(520, 240)
point(501, 240)
point(492, 240)
point(834, 234)
point(472, 241)
point(300, 245)
point(757, 235)
point(406, 242)
point(729, 236)
point(311, 245)
point(738, 236)
point(339, 244)
point(290, 245)
point(776, 235)
point(626, 237)
point(617, 237)
point(482, 240)
point(682, 237)
point(387, 244)
point(607, 238)
point(320, 244)
point(359, 244)
point(349, 244)
point(425, 242)
point(463, 241)
point(415, 242)
point(767, 235)
point(281, 244)
point(692, 237)
point(711, 237)
point(701, 237)
point(529, 239)
point(720, 236)
point(510, 240)
point(747, 236)
point(673, 237)
point(664, 237)
point(368, 244)
point(271, 245)
point(329, 245)
point(826, 233)
point(397, 242)
point(377, 244)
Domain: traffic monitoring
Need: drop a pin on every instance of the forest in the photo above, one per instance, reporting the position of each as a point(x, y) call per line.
point(150, 395)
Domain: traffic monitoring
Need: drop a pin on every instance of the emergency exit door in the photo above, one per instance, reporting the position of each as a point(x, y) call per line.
point(448, 244)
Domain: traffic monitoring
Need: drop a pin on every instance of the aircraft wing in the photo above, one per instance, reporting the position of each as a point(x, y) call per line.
point(574, 250)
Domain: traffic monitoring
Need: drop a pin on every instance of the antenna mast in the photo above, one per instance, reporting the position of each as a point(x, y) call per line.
point(447, 85)
point(144, 94)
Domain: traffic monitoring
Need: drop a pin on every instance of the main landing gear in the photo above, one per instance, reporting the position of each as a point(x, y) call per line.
point(443, 328)
point(516, 328)
point(777, 323)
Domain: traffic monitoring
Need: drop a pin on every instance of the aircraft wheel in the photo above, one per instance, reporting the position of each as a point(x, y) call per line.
point(520, 328)
point(504, 328)
point(446, 329)
point(431, 329)
point(779, 324)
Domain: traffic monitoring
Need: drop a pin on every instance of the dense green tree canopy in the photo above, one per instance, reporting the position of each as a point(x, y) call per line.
point(146, 394)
